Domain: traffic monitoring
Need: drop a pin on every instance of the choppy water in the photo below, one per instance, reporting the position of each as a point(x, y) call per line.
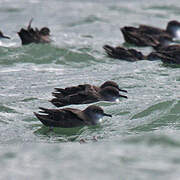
point(140, 141)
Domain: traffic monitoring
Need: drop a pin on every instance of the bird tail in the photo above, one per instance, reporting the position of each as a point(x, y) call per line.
point(60, 90)
point(44, 119)
point(109, 50)
point(56, 102)
point(57, 94)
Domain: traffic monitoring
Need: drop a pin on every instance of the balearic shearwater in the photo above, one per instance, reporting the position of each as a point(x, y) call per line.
point(69, 117)
point(151, 36)
point(168, 54)
point(3, 36)
point(123, 53)
point(30, 35)
point(62, 92)
point(110, 94)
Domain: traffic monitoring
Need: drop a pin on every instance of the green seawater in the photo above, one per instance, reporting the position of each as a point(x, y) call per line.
point(142, 139)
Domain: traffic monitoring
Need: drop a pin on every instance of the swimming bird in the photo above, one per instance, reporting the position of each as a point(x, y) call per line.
point(168, 54)
point(134, 36)
point(123, 53)
point(69, 117)
point(90, 96)
point(146, 35)
point(3, 36)
point(62, 92)
point(31, 35)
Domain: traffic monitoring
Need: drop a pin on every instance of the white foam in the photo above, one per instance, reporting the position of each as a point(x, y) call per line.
point(7, 44)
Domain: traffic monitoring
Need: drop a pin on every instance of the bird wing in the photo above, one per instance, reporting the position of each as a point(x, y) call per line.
point(151, 30)
point(72, 90)
point(65, 118)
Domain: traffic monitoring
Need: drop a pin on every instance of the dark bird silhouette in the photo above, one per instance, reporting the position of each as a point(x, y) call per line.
point(150, 36)
point(168, 54)
point(134, 36)
point(62, 92)
point(31, 35)
point(123, 53)
point(69, 117)
point(88, 96)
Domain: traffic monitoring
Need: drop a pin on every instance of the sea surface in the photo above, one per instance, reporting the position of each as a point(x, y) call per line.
point(142, 139)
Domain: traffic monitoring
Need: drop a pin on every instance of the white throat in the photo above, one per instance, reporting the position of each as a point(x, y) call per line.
point(97, 118)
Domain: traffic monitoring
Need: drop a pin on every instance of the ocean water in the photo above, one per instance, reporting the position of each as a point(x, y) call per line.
point(141, 140)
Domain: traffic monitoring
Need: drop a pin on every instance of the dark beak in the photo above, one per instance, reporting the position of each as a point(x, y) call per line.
point(122, 90)
point(109, 115)
point(123, 96)
point(5, 37)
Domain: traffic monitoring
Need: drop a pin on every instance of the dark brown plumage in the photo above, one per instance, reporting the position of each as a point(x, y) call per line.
point(70, 117)
point(31, 35)
point(123, 53)
point(150, 36)
point(62, 92)
point(168, 54)
point(88, 96)
point(134, 36)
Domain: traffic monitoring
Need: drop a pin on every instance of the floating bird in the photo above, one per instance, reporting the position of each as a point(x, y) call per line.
point(3, 36)
point(31, 35)
point(90, 96)
point(61, 93)
point(134, 36)
point(168, 54)
point(123, 53)
point(69, 117)
point(151, 36)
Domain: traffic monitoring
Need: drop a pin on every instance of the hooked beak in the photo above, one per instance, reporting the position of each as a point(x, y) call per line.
point(123, 96)
point(109, 115)
point(122, 90)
